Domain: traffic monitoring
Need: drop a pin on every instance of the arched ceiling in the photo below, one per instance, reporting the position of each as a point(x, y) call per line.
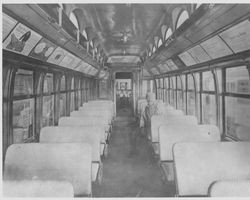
point(125, 29)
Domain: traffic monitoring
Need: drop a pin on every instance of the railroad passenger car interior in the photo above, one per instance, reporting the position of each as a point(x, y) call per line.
point(126, 100)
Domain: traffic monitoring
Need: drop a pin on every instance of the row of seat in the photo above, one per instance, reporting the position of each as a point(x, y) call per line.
point(194, 157)
point(69, 152)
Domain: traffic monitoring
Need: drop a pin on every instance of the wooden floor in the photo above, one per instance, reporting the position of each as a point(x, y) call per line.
point(131, 175)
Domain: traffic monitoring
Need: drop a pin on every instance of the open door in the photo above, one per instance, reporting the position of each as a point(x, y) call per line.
point(124, 93)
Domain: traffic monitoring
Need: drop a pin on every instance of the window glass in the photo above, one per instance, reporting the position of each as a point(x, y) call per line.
point(168, 33)
point(144, 88)
point(73, 19)
point(166, 90)
point(198, 107)
point(159, 43)
point(172, 92)
point(62, 98)
point(208, 109)
point(219, 78)
point(62, 104)
point(191, 103)
point(197, 81)
point(157, 83)
point(48, 83)
point(190, 82)
point(183, 17)
point(179, 81)
point(208, 81)
point(72, 101)
point(48, 111)
point(72, 84)
point(180, 104)
point(79, 93)
point(63, 85)
point(72, 96)
point(23, 120)
point(183, 77)
point(23, 82)
point(237, 80)
point(238, 118)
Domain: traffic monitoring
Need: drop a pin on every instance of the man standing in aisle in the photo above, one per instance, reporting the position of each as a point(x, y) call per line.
point(150, 110)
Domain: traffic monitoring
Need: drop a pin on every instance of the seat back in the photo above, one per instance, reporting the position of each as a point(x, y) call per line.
point(74, 134)
point(212, 131)
point(78, 120)
point(230, 188)
point(93, 112)
point(159, 120)
point(173, 133)
point(197, 165)
point(60, 162)
point(37, 188)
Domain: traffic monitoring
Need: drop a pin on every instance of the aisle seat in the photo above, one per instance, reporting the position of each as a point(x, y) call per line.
point(198, 165)
point(83, 120)
point(181, 132)
point(101, 102)
point(93, 111)
point(173, 133)
point(76, 134)
point(37, 188)
point(230, 188)
point(51, 161)
point(158, 120)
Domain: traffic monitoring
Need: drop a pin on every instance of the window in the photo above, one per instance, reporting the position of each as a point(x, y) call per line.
point(208, 109)
point(151, 85)
point(144, 88)
point(63, 97)
point(209, 106)
point(154, 49)
point(208, 81)
point(23, 83)
point(158, 88)
point(190, 95)
point(159, 43)
point(23, 110)
point(172, 92)
point(180, 104)
point(238, 118)
point(168, 33)
point(48, 101)
point(237, 80)
point(161, 88)
point(73, 19)
point(182, 18)
point(197, 81)
point(83, 92)
point(166, 89)
point(72, 95)
point(79, 93)
point(183, 78)
point(237, 113)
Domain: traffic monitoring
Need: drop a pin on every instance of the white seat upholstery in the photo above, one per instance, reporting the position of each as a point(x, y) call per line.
point(173, 133)
point(53, 161)
point(94, 112)
point(211, 131)
point(197, 165)
point(86, 121)
point(37, 188)
point(158, 120)
point(230, 188)
point(81, 134)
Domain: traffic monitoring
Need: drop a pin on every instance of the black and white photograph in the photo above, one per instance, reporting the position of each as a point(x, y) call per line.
point(126, 99)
